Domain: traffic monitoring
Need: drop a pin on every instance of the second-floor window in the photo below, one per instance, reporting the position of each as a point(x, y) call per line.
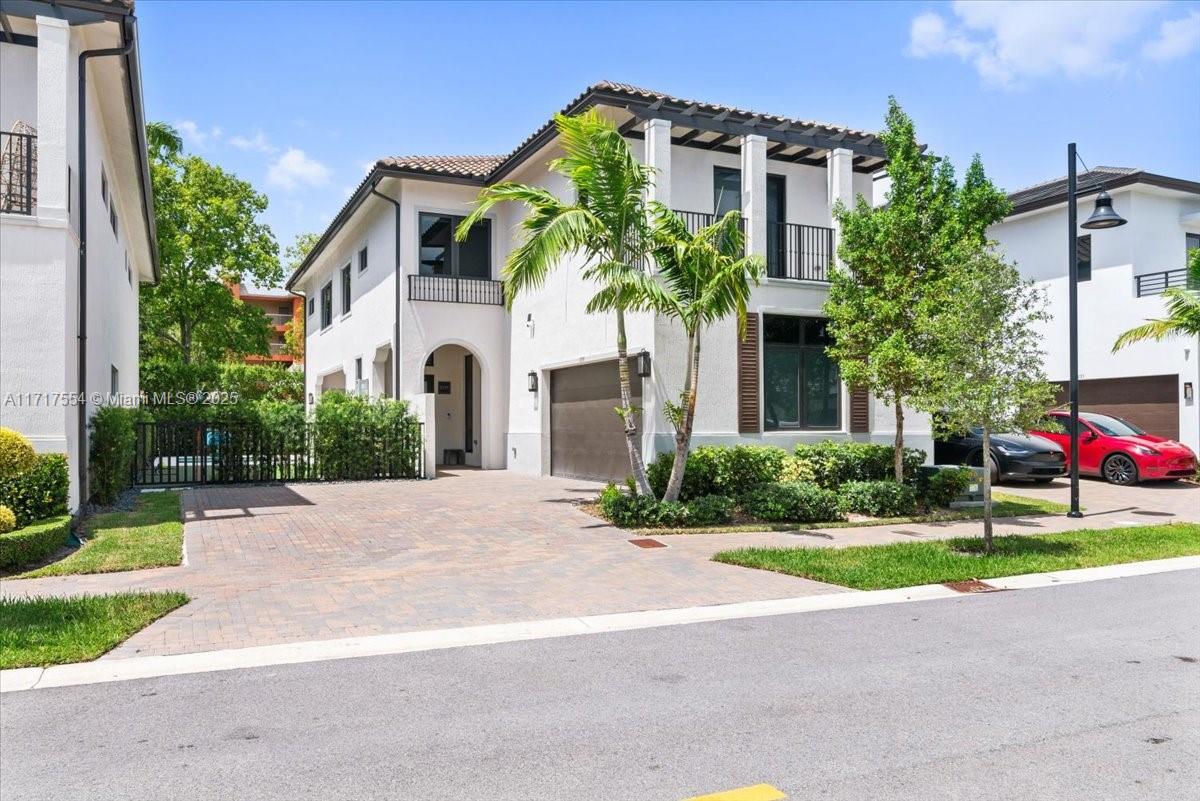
point(1083, 254)
point(346, 289)
point(327, 305)
point(312, 306)
point(727, 190)
point(362, 260)
point(442, 255)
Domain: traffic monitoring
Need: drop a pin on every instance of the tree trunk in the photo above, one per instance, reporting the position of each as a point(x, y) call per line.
point(637, 466)
point(683, 434)
point(898, 462)
point(987, 490)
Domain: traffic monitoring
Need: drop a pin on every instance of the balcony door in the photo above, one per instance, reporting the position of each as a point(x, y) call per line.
point(776, 229)
point(442, 255)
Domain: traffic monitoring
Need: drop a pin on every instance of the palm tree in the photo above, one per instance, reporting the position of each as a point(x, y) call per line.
point(1183, 311)
point(607, 222)
point(162, 139)
point(702, 278)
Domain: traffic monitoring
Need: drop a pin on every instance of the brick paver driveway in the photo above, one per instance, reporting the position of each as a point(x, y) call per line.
point(275, 564)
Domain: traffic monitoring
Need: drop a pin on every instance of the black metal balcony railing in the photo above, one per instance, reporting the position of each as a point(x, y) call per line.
point(799, 252)
point(1157, 283)
point(18, 172)
point(452, 289)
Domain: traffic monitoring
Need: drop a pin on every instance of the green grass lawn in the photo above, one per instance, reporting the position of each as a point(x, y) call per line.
point(1003, 505)
point(149, 536)
point(53, 631)
point(905, 564)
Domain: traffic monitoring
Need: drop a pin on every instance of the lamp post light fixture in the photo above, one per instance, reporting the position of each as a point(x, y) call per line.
point(1103, 216)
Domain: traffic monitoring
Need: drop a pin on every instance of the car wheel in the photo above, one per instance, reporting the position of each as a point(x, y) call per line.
point(1119, 469)
point(995, 469)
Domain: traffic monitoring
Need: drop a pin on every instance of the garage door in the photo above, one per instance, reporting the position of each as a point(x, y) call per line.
point(1151, 402)
point(587, 438)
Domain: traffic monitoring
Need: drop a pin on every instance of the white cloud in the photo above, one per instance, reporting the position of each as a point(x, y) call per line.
point(294, 168)
point(1008, 42)
point(1176, 38)
point(197, 135)
point(258, 142)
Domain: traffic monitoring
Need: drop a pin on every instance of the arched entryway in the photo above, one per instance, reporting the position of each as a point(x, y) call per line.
point(334, 381)
point(454, 376)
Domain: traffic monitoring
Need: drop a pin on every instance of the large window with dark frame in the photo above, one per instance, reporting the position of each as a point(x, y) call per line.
point(346, 289)
point(327, 305)
point(1083, 256)
point(801, 385)
point(441, 254)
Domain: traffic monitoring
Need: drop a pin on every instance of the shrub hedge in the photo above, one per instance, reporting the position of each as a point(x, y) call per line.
point(33, 543)
point(877, 498)
point(16, 453)
point(719, 470)
point(626, 510)
point(797, 502)
point(354, 438)
point(8, 521)
point(114, 435)
point(835, 463)
point(936, 489)
point(39, 492)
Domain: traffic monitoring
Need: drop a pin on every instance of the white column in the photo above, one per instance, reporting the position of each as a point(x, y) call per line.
point(840, 175)
point(754, 193)
point(658, 156)
point(53, 105)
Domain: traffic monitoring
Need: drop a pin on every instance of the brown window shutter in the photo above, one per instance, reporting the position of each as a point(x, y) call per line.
point(747, 377)
point(860, 411)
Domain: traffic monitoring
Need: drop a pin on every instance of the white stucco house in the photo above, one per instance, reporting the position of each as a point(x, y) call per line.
point(395, 307)
point(1123, 272)
point(76, 218)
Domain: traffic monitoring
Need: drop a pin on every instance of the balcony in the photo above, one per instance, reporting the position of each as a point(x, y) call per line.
point(1157, 283)
point(453, 289)
point(795, 252)
point(18, 172)
point(277, 318)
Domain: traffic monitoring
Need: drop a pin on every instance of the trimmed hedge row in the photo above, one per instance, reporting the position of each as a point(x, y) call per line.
point(796, 502)
point(113, 442)
point(33, 543)
point(835, 463)
point(628, 511)
point(39, 492)
point(877, 498)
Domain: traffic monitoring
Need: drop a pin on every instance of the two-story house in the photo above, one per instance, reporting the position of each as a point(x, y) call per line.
point(396, 307)
point(76, 218)
point(1122, 274)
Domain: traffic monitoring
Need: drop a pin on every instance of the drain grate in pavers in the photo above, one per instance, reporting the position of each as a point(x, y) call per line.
point(646, 542)
point(971, 585)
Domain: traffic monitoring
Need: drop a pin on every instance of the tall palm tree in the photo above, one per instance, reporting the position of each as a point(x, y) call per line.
point(607, 222)
point(1183, 311)
point(702, 278)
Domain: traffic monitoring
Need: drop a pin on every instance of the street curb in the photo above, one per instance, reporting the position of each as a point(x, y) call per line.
point(144, 667)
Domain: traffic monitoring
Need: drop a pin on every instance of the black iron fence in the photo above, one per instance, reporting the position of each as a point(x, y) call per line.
point(183, 453)
point(1157, 283)
point(452, 289)
point(799, 252)
point(18, 172)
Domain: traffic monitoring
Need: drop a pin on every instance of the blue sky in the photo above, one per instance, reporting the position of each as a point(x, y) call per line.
point(299, 97)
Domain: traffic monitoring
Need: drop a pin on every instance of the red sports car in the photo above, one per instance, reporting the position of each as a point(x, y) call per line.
point(1118, 450)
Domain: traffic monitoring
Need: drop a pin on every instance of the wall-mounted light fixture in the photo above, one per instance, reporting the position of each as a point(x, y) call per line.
point(1188, 392)
point(310, 399)
point(643, 364)
point(532, 381)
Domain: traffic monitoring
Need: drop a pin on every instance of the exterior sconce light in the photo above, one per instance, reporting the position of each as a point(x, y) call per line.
point(1188, 392)
point(310, 399)
point(533, 381)
point(643, 364)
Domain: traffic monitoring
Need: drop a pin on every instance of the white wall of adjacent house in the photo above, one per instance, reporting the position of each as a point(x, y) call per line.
point(1152, 241)
point(39, 293)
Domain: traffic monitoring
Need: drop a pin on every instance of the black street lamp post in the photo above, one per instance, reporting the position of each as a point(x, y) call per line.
point(1103, 216)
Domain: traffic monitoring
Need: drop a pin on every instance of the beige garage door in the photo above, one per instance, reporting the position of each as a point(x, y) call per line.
point(587, 438)
point(1151, 402)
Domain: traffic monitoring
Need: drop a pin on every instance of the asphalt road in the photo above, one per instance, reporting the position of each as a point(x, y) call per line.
point(1089, 691)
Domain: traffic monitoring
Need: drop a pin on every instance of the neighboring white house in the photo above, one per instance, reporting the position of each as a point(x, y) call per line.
point(52, 207)
point(1123, 272)
point(395, 307)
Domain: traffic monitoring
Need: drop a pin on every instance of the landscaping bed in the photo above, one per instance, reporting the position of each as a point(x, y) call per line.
point(907, 564)
point(35, 632)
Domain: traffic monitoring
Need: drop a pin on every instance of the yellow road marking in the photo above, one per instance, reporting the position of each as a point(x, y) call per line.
point(755, 792)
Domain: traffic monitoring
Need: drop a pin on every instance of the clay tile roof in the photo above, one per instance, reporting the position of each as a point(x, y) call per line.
point(465, 166)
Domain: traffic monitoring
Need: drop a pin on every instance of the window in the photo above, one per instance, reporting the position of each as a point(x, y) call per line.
point(103, 186)
point(114, 379)
point(801, 386)
point(727, 190)
point(346, 289)
point(312, 306)
point(1083, 254)
point(358, 369)
point(429, 361)
point(429, 386)
point(327, 305)
point(362, 260)
point(1193, 243)
point(284, 308)
point(442, 255)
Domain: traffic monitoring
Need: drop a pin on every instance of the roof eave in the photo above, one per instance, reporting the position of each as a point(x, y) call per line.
point(1120, 182)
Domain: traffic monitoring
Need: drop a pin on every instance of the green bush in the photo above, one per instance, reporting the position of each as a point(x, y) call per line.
point(39, 492)
point(247, 383)
point(795, 502)
point(33, 543)
point(355, 438)
point(112, 448)
point(16, 454)
point(709, 510)
point(624, 509)
point(835, 463)
point(795, 469)
point(936, 489)
point(719, 469)
point(877, 498)
point(8, 521)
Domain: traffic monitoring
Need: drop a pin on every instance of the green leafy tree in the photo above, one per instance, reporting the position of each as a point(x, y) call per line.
point(294, 255)
point(208, 235)
point(882, 304)
point(990, 374)
point(1183, 311)
point(606, 222)
point(702, 278)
